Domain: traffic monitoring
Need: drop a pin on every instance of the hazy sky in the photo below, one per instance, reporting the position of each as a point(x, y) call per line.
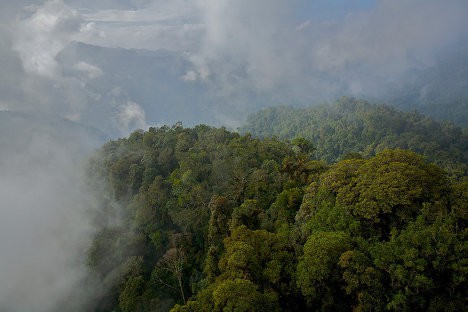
point(293, 51)
point(280, 51)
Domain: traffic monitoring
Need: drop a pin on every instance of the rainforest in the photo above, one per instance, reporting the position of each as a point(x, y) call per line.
point(214, 220)
point(233, 156)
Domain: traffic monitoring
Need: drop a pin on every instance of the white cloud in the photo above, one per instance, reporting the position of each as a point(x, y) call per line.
point(247, 42)
point(151, 25)
point(92, 71)
point(44, 229)
point(259, 46)
point(127, 114)
point(131, 116)
point(42, 35)
point(384, 39)
point(190, 76)
point(241, 50)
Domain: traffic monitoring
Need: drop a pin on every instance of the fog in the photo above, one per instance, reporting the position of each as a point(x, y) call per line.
point(76, 72)
point(227, 58)
point(44, 213)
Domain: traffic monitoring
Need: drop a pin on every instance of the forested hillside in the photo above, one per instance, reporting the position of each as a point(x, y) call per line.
point(355, 126)
point(204, 219)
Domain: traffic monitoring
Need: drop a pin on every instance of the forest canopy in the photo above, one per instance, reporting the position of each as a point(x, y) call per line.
point(204, 219)
point(351, 126)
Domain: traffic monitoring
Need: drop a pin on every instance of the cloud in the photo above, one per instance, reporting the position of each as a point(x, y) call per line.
point(44, 226)
point(128, 114)
point(261, 46)
point(147, 25)
point(91, 71)
point(190, 76)
point(4, 107)
point(131, 116)
point(246, 54)
point(249, 38)
point(39, 37)
point(303, 25)
point(389, 36)
point(32, 79)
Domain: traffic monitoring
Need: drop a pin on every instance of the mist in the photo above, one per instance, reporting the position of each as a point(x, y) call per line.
point(45, 226)
point(121, 65)
point(76, 73)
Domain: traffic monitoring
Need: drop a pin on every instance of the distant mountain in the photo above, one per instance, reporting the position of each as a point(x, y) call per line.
point(355, 126)
point(152, 79)
point(126, 89)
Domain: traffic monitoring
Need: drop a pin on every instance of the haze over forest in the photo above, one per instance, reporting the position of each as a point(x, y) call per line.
point(78, 73)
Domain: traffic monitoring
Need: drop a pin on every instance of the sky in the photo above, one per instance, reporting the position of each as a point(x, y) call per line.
point(245, 54)
point(332, 10)
point(98, 65)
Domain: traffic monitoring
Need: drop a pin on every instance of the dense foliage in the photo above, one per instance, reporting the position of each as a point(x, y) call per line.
point(207, 220)
point(355, 126)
